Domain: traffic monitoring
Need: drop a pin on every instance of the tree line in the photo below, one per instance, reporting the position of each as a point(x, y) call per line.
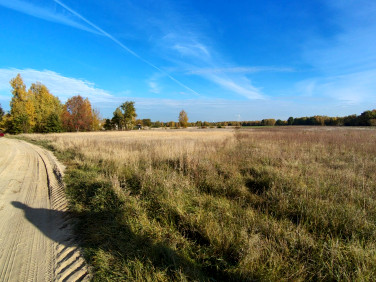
point(37, 110)
point(367, 118)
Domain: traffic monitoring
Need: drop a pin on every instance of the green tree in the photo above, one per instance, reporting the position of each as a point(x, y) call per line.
point(129, 114)
point(1, 113)
point(108, 125)
point(183, 119)
point(146, 122)
point(6, 123)
point(53, 123)
point(21, 107)
point(366, 118)
point(290, 121)
point(118, 118)
point(280, 122)
point(157, 124)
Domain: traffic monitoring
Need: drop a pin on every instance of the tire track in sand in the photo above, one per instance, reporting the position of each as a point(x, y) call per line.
point(36, 237)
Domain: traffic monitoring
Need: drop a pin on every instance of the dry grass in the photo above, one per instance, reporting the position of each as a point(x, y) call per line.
point(288, 203)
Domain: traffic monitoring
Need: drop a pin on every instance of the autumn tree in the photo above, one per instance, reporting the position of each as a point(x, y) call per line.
point(268, 122)
point(21, 107)
point(129, 114)
point(47, 107)
point(77, 114)
point(96, 125)
point(171, 124)
point(183, 119)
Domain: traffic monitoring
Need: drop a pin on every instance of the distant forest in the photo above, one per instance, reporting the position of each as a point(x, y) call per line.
point(367, 118)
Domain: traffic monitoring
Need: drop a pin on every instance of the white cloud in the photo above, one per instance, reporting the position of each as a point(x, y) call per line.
point(244, 88)
point(189, 50)
point(357, 88)
point(48, 14)
point(154, 87)
point(59, 85)
point(192, 49)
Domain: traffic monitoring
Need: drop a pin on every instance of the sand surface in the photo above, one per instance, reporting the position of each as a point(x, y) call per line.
point(36, 238)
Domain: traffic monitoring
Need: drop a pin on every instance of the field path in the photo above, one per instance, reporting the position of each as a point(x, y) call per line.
point(36, 241)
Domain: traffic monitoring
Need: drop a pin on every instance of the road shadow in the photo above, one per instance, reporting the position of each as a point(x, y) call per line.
point(106, 231)
point(55, 225)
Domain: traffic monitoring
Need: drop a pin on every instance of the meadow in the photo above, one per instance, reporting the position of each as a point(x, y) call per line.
point(283, 203)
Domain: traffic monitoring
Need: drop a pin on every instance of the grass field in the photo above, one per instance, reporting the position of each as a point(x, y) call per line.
point(288, 203)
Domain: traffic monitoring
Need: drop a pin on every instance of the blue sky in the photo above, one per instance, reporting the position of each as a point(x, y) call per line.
point(218, 60)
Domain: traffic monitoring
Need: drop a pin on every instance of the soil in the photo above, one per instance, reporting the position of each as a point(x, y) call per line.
point(36, 236)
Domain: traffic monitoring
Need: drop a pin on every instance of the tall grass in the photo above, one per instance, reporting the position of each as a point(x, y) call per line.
point(263, 204)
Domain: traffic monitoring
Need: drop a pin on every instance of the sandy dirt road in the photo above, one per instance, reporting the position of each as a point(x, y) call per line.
point(36, 241)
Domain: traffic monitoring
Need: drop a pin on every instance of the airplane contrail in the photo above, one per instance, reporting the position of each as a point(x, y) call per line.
point(123, 46)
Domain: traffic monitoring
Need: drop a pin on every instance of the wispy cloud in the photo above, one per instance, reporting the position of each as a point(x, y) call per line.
point(115, 40)
point(154, 87)
point(193, 54)
point(153, 84)
point(192, 49)
point(242, 70)
point(59, 85)
point(351, 48)
point(244, 88)
point(357, 88)
point(345, 63)
point(70, 19)
point(45, 13)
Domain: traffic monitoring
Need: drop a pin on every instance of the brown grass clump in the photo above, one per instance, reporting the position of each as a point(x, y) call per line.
point(292, 203)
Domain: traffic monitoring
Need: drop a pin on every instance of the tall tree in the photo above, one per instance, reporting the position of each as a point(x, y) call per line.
point(183, 119)
point(45, 104)
point(1, 113)
point(21, 107)
point(77, 114)
point(96, 120)
point(117, 119)
point(129, 114)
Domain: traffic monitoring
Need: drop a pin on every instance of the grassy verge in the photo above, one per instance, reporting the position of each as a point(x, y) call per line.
point(265, 205)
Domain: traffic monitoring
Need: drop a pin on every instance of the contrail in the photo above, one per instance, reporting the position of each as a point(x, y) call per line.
point(123, 46)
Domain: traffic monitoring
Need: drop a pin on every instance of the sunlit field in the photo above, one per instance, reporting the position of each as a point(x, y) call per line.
point(291, 203)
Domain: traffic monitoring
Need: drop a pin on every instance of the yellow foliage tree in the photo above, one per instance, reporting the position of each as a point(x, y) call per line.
point(96, 120)
point(183, 118)
point(45, 104)
point(21, 107)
